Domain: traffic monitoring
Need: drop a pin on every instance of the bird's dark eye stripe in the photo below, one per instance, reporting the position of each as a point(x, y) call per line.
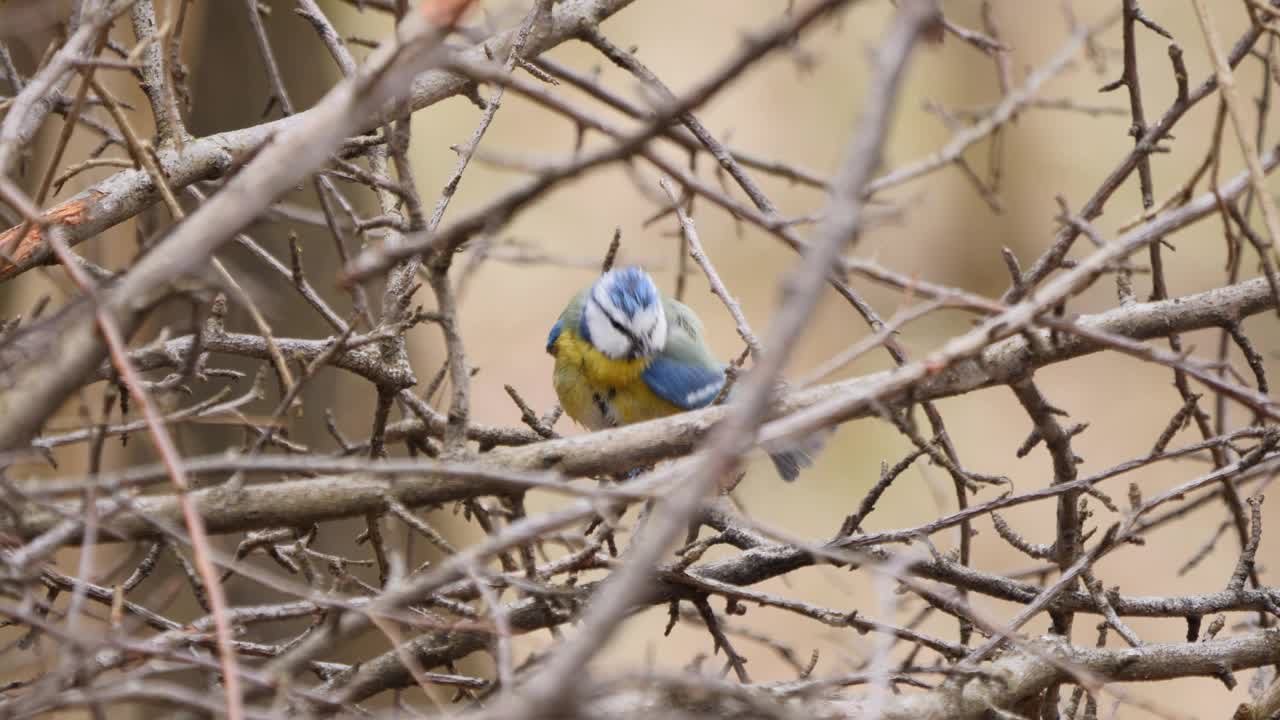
point(616, 325)
point(631, 338)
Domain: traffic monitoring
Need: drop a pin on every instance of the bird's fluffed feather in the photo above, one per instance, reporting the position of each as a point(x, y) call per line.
point(674, 372)
point(599, 392)
point(631, 290)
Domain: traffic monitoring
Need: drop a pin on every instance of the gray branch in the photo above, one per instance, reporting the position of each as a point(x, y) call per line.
point(301, 502)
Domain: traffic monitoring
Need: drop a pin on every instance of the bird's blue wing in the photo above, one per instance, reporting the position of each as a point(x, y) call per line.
point(685, 385)
point(555, 333)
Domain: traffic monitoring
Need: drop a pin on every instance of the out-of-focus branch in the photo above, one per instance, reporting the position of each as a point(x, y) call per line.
point(127, 193)
point(33, 391)
point(302, 502)
point(38, 97)
point(553, 508)
point(543, 695)
point(761, 561)
point(999, 691)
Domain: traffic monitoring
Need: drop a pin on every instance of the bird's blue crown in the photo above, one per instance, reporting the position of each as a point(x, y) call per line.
point(631, 289)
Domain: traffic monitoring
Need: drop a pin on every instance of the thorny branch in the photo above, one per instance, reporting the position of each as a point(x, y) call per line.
point(577, 537)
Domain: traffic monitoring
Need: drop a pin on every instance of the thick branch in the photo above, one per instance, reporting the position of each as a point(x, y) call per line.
point(621, 449)
point(127, 193)
point(36, 389)
point(1020, 676)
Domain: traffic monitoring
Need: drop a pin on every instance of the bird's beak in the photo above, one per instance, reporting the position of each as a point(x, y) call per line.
point(641, 349)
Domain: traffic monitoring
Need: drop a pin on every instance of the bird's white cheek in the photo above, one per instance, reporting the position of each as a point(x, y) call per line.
point(604, 337)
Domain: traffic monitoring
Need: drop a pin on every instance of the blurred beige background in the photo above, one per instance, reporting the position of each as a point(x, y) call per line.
point(799, 108)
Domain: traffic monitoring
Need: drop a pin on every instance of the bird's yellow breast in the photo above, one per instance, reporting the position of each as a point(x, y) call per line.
point(600, 392)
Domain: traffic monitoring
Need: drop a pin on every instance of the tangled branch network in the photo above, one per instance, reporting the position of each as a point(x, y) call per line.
point(243, 555)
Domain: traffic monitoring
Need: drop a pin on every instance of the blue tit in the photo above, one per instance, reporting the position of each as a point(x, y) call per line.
point(625, 354)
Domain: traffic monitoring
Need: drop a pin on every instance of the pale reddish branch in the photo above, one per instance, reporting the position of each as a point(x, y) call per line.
point(117, 347)
point(125, 194)
point(297, 151)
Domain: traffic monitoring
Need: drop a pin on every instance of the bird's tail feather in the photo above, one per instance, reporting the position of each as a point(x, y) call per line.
point(793, 455)
point(788, 463)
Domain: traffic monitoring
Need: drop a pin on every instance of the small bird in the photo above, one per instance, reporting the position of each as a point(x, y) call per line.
point(625, 354)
